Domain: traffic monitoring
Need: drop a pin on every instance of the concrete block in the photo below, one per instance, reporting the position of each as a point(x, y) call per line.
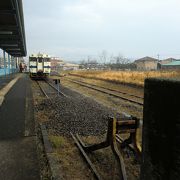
point(161, 130)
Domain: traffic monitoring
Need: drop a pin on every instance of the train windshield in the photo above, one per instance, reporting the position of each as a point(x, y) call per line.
point(46, 60)
point(33, 59)
point(40, 60)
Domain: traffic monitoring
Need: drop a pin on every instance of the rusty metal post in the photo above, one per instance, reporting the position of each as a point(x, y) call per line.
point(161, 130)
point(116, 151)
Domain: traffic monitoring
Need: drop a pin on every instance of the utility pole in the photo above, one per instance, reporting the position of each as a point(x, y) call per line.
point(158, 56)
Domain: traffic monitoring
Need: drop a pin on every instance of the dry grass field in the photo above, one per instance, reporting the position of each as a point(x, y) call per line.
point(130, 77)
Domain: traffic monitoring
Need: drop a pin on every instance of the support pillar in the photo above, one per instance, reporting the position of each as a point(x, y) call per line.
point(161, 130)
point(9, 68)
point(14, 64)
point(4, 56)
point(17, 62)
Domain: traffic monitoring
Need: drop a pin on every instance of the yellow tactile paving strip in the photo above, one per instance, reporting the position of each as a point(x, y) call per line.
point(6, 88)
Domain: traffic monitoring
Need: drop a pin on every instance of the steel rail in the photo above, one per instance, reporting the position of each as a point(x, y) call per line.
point(120, 140)
point(114, 90)
point(93, 169)
point(109, 93)
point(55, 88)
point(42, 89)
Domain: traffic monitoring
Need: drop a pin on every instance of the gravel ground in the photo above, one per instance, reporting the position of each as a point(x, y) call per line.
point(83, 115)
point(108, 101)
point(77, 114)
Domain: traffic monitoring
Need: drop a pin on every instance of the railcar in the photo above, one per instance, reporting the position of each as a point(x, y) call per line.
point(39, 65)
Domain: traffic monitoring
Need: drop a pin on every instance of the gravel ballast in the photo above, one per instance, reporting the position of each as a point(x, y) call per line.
point(80, 114)
point(77, 114)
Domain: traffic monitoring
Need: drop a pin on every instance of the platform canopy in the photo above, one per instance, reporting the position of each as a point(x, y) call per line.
point(12, 32)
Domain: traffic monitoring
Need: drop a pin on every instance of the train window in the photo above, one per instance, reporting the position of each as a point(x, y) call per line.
point(33, 59)
point(46, 59)
point(40, 60)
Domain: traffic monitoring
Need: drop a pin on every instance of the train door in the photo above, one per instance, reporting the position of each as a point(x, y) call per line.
point(40, 64)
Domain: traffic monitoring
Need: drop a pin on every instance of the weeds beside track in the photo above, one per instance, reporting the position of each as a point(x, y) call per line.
point(118, 94)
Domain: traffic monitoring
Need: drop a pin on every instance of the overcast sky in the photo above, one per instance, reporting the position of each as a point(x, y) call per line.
point(75, 29)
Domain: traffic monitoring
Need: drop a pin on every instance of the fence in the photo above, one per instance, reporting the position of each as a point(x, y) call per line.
point(8, 64)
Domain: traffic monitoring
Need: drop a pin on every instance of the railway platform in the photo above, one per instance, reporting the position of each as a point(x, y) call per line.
point(18, 155)
point(4, 80)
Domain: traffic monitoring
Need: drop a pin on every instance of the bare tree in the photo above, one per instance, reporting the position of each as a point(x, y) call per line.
point(103, 56)
point(112, 59)
point(83, 61)
point(119, 58)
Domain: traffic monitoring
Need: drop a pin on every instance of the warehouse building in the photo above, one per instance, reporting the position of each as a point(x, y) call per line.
point(174, 65)
point(168, 60)
point(165, 61)
point(146, 63)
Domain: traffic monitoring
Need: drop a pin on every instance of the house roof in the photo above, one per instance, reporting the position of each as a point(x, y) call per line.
point(169, 59)
point(12, 32)
point(147, 58)
point(173, 63)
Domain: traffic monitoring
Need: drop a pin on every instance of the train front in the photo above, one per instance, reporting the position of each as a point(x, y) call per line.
point(39, 65)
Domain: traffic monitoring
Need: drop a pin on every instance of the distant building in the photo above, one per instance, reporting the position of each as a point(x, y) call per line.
point(69, 66)
point(58, 64)
point(91, 65)
point(146, 63)
point(174, 65)
point(165, 61)
point(168, 60)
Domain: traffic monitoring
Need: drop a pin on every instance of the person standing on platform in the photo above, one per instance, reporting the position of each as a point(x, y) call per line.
point(20, 68)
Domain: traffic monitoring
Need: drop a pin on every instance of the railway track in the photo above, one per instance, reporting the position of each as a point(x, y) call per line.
point(85, 156)
point(92, 167)
point(43, 86)
point(48, 89)
point(115, 93)
point(56, 89)
point(115, 127)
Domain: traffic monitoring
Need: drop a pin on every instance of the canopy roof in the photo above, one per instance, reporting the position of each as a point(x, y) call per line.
point(12, 32)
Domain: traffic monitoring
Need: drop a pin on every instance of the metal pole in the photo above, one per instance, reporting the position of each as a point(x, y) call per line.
point(9, 63)
point(58, 88)
point(17, 63)
point(4, 55)
point(12, 64)
point(15, 68)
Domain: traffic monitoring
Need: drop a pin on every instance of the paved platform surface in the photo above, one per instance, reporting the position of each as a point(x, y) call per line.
point(18, 156)
point(6, 79)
